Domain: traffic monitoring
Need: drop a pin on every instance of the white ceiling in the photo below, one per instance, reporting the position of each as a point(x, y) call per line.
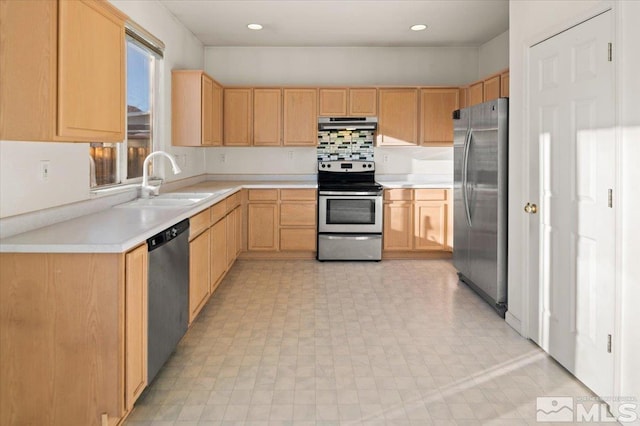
point(342, 22)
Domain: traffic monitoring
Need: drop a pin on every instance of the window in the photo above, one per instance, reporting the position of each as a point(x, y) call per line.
point(119, 163)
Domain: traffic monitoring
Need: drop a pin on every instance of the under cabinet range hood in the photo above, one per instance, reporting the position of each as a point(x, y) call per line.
point(347, 123)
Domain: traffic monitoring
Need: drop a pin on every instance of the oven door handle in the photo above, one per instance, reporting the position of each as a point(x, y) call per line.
point(350, 193)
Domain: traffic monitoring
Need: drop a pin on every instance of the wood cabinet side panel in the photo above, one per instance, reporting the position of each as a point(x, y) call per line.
point(267, 117)
point(218, 253)
point(207, 110)
point(91, 72)
point(61, 338)
point(231, 239)
point(136, 331)
point(199, 255)
point(216, 114)
point(28, 64)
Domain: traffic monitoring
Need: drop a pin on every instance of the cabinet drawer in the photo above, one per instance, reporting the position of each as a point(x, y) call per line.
point(218, 211)
point(297, 214)
point(199, 222)
point(398, 194)
point(298, 194)
point(303, 239)
point(233, 201)
point(263, 195)
point(431, 194)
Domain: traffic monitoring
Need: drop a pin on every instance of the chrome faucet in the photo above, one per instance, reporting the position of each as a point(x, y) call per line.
point(145, 188)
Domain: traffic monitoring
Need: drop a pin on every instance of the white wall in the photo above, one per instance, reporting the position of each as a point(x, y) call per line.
point(342, 66)
point(493, 56)
point(324, 66)
point(533, 21)
point(22, 191)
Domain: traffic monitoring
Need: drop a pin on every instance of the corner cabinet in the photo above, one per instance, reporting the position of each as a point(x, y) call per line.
point(63, 71)
point(196, 109)
point(300, 117)
point(73, 336)
point(398, 117)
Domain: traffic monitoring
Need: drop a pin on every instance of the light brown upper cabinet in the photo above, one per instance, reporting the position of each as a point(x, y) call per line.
point(62, 73)
point(333, 102)
point(504, 84)
point(238, 116)
point(398, 117)
point(300, 117)
point(463, 97)
point(476, 93)
point(363, 102)
point(216, 113)
point(196, 109)
point(436, 115)
point(267, 117)
point(492, 88)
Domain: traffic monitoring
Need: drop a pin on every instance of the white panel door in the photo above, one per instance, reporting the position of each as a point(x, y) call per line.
point(573, 167)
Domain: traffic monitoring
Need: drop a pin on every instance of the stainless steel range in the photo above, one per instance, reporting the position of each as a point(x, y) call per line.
point(349, 211)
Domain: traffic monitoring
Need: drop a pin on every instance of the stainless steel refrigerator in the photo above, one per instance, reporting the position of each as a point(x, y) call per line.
point(480, 199)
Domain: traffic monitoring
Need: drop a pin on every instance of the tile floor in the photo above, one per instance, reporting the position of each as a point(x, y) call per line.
point(311, 343)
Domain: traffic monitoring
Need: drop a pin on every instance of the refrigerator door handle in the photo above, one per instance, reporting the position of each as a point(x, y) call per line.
point(465, 167)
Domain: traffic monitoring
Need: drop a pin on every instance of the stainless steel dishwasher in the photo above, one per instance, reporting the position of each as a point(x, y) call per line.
point(168, 293)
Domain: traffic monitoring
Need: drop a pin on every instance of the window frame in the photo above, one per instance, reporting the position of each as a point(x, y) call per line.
point(154, 49)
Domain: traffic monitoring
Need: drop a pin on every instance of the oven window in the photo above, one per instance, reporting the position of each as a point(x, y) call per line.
point(345, 211)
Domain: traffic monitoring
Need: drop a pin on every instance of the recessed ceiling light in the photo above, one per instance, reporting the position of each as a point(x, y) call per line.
point(254, 27)
point(418, 27)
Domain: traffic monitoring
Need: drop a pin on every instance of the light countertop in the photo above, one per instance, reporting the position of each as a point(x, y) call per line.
point(117, 229)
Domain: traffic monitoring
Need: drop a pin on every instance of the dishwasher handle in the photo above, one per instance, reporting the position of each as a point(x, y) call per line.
point(167, 235)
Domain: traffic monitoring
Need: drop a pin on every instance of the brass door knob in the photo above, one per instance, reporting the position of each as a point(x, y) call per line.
point(531, 208)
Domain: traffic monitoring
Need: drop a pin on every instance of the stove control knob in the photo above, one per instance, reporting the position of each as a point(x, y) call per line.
point(370, 166)
point(364, 165)
point(329, 165)
point(323, 166)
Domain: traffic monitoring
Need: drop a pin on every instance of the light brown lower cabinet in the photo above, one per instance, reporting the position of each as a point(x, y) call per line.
point(136, 306)
point(416, 221)
point(199, 269)
point(72, 336)
point(262, 226)
point(218, 252)
point(281, 222)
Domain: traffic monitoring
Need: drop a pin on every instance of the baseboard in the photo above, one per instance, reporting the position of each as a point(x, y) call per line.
point(418, 255)
point(514, 323)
